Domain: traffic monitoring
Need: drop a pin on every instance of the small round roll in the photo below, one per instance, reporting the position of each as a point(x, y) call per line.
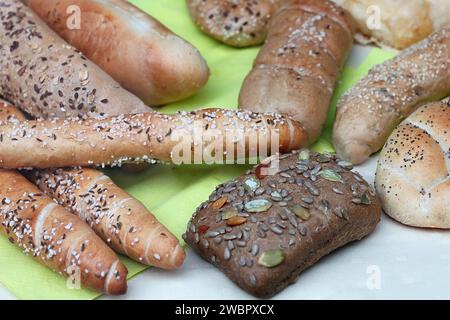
point(413, 174)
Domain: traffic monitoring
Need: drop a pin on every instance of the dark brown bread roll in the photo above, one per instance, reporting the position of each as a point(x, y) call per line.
point(263, 231)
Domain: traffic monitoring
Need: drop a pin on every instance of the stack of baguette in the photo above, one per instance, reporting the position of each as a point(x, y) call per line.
point(78, 115)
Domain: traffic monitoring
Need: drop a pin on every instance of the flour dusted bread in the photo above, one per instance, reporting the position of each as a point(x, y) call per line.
point(238, 23)
point(413, 174)
point(297, 68)
point(398, 24)
point(134, 48)
point(263, 230)
point(146, 137)
point(368, 112)
point(47, 78)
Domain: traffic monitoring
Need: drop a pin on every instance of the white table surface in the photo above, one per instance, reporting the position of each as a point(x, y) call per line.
point(395, 262)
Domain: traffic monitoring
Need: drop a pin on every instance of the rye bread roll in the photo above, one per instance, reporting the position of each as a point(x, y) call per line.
point(139, 52)
point(413, 173)
point(238, 23)
point(296, 70)
point(47, 78)
point(262, 230)
point(368, 113)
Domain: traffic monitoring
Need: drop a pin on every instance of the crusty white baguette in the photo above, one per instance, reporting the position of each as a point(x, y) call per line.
point(134, 48)
point(398, 24)
point(369, 111)
point(142, 137)
point(239, 23)
point(296, 70)
point(57, 238)
point(413, 173)
point(119, 219)
point(45, 77)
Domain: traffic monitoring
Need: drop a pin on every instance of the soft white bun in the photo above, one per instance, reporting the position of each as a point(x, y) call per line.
point(413, 174)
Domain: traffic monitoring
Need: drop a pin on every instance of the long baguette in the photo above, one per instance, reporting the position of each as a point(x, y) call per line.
point(143, 137)
point(296, 70)
point(58, 239)
point(369, 112)
point(119, 219)
point(238, 23)
point(47, 78)
point(139, 52)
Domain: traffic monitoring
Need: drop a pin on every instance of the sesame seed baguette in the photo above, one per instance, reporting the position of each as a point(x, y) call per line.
point(143, 137)
point(160, 66)
point(119, 219)
point(55, 237)
point(296, 70)
point(47, 78)
point(369, 112)
point(240, 23)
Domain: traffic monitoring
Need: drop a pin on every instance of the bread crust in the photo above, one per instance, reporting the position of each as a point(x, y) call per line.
point(47, 78)
point(413, 172)
point(234, 239)
point(368, 112)
point(145, 137)
point(296, 70)
point(135, 49)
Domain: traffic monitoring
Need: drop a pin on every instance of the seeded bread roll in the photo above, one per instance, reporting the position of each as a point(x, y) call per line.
point(368, 112)
point(47, 78)
point(413, 174)
point(139, 52)
point(55, 237)
point(297, 68)
point(238, 23)
point(208, 135)
point(263, 230)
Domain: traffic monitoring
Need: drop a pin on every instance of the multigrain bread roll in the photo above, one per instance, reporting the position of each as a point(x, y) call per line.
point(47, 78)
point(368, 112)
point(139, 52)
point(296, 70)
point(55, 237)
point(262, 230)
point(398, 24)
point(204, 136)
point(413, 173)
point(238, 23)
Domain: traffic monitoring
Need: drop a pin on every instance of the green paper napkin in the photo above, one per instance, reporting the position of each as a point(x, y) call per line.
point(171, 193)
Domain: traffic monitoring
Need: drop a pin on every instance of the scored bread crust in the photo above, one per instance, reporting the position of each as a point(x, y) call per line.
point(145, 137)
point(369, 111)
point(139, 52)
point(238, 23)
point(337, 214)
point(47, 78)
point(413, 173)
point(296, 70)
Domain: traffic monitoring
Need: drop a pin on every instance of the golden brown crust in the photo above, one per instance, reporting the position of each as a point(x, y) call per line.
point(143, 137)
point(369, 111)
point(47, 78)
point(297, 68)
point(413, 173)
point(160, 66)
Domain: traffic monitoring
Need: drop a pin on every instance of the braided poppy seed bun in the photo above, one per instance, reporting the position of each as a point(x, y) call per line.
point(413, 174)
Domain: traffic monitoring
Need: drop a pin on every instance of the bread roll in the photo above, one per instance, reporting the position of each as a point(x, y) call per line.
point(263, 231)
point(296, 70)
point(238, 23)
point(134, 48)
point(413, 173)
point(47, 78)
point(368, 112)
point(398, 24)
